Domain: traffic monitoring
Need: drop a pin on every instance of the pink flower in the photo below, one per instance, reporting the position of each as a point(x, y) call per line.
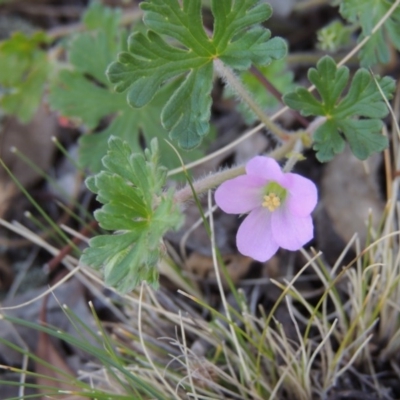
point(279, 206)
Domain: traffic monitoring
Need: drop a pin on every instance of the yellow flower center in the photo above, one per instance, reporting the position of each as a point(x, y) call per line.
point(274, 196)
point(271, 201)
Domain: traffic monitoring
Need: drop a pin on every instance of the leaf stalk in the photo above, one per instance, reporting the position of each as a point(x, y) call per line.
point(232, 80)
point(211, 181)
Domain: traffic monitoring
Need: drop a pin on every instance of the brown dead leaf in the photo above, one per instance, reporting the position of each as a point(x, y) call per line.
point(349, 193)
point(282, 8)
point(53, 377)
point(6, 273)
point(71, 293)
point(48, 376)
point(198, 240)
point(203, 268)
point(250, 148)
point(34, 141)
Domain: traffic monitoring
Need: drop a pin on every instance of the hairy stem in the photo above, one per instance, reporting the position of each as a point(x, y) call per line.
point(211, 181)
point(230, 78)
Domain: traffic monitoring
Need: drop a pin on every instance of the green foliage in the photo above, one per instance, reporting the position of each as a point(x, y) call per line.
point(334, 36)
point(23, 73)
point(278, 74)
point(130, 187)
point(362, 100)
point(368, 13)
point(151, 61)
point(82, 91)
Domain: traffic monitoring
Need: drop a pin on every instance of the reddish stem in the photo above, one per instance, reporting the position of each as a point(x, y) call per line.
point(276, 93)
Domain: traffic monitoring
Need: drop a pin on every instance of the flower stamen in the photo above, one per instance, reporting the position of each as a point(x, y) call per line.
point(271, 201)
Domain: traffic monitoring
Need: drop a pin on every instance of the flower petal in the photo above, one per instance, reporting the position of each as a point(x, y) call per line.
point(239, 195)
point(264, 167)
point(302, 194)
point(254, 237)
point(289, 231)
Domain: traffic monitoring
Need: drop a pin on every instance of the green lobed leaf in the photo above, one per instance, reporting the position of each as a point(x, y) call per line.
point(83, 92)
point(23, 73)
point(182, 115)
point(328, 141)
point(104, 18)
point(334, 36)
point(368, 13)
point(130, 187)
point(362, 100)
point(151, 61)
point(74, 95)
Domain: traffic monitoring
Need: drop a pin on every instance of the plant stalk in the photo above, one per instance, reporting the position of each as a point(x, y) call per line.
point(211, 181)
point(230, 78)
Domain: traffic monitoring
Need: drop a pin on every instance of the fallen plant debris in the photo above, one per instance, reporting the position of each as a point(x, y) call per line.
point(137, 129)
